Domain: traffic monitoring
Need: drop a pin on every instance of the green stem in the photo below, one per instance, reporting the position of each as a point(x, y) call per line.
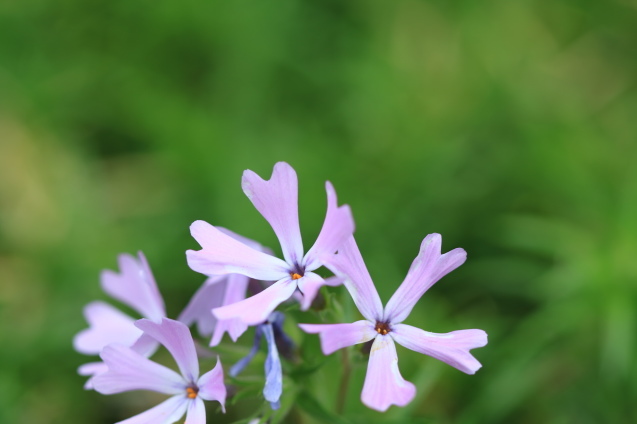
point(342, 390)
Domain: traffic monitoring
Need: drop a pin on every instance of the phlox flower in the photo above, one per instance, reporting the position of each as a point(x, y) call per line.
point(134, 286)
point(384, 386)
point(128, 370)
point(277, 200)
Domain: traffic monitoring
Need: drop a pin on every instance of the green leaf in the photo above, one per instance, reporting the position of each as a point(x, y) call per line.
point(309, 404)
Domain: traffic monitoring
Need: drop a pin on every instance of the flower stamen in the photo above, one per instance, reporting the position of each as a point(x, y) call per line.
point(382, 328)
point(191, 392)
point(295, 276)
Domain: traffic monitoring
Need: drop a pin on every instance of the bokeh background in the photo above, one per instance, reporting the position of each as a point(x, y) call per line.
point(509, 127)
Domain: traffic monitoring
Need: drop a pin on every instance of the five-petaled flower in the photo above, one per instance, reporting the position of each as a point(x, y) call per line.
point(128, 370)
point(277, 200)
point(384, 386)
point(134, 286)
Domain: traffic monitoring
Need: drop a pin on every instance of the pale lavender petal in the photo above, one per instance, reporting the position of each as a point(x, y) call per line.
point(337, 227)
point(196, 412)
point(384, 386)
point(236, 288)
point(248, 242)
point(309, 286)
point(210, 295)
point(277, 200)
point(145, 345)
point(211, 386)
point(273, 372)
point(348, 264)
point(91, 369)
point(428, 267)
point(337, 336)
point(256, 309)
point(128, 370)
point(135, 286)
point(107, 325)
point(167, 412)
point(222, 254)
point(234, 327)
point(452, 348)
point(176, 337)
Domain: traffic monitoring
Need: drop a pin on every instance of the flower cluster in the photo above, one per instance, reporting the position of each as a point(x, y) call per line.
point(235, 266)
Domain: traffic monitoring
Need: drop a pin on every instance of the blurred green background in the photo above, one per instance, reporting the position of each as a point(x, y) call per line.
point(509, 127)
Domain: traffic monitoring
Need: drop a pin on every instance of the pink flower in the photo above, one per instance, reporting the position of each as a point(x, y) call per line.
point(277, 200)
point(384, 386)
point(134, 286)
point(128, 370)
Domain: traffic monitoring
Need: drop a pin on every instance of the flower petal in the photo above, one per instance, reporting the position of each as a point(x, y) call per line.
point(128, 370)
point(273, 372)
point(91, 369)
point(176, 337)
point(233, 326)
point(337, 336)
point(167, 412)
point(210, 295)
point(384, 386)
point(135, 286)
point(309, 286)
point(428, 267)
point(145, 345)
point(248, 242)
point(348, 264)
point(452, 348)
point(196, 412)
point(236, 288)
point(337, 227)
point(107, 325)
point(211, 386)
point(256, 309)
point(277, 200)
point(221, 254)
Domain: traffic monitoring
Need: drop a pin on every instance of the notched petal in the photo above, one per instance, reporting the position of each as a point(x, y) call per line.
point(384, 386)
point(277, 200)
point(452, 348)
point(221, 254)
point(428, 267)
point(337, 227)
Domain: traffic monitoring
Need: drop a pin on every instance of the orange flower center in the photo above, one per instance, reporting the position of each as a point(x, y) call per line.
point(191, 392)
point(295, 276)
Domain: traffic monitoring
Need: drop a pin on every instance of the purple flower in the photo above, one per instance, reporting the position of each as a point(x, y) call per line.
point(384, 386)
point(128, 370)
point(135, 286)
point(277, 200)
